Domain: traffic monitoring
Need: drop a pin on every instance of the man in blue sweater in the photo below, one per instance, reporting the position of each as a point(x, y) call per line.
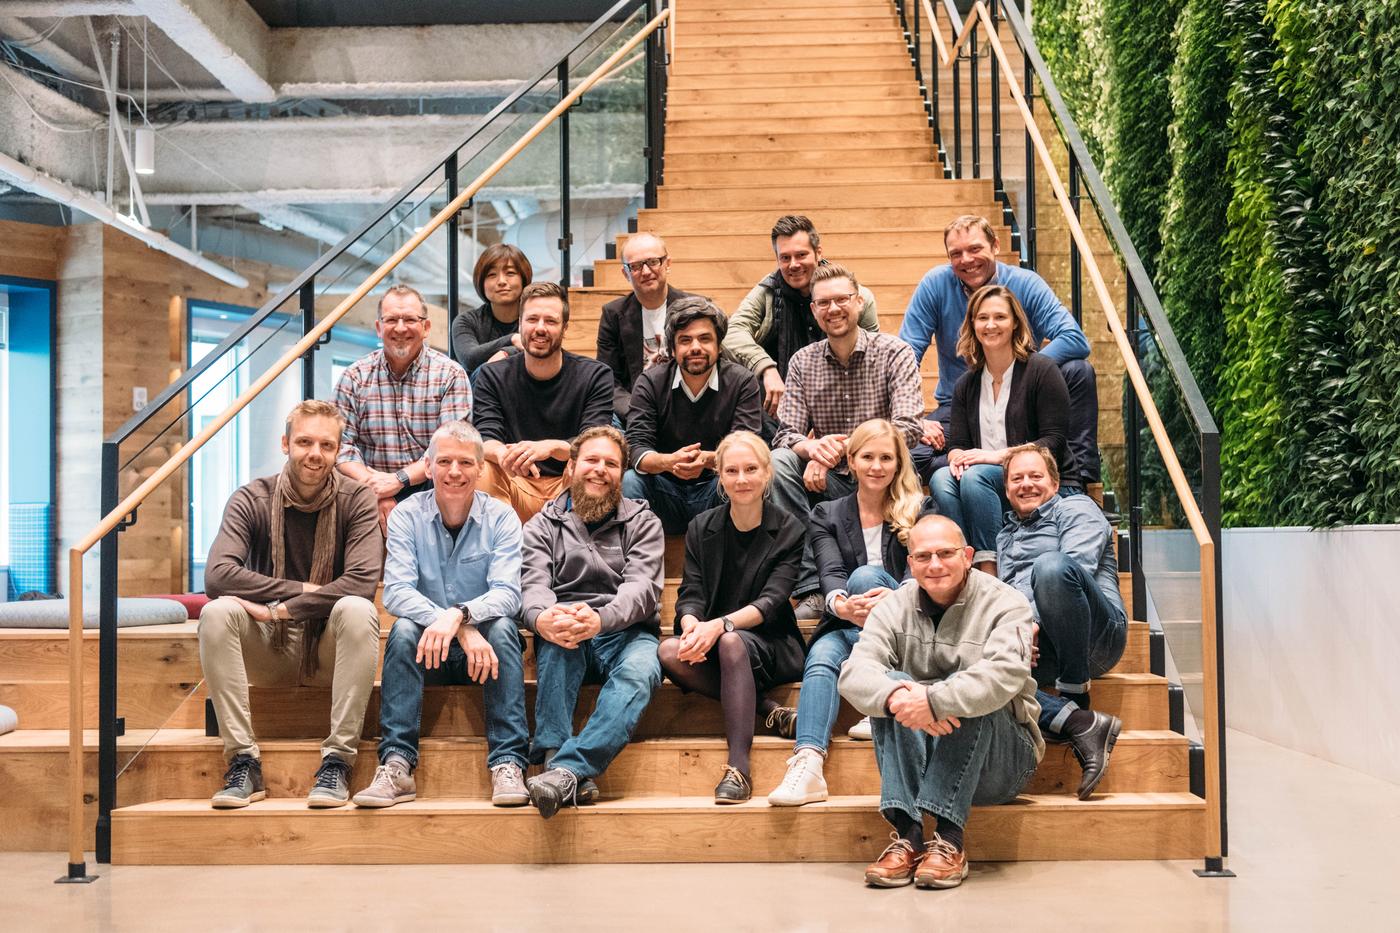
point(936, 313)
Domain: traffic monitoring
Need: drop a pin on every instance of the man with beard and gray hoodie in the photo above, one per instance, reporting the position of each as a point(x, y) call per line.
point(591, 586)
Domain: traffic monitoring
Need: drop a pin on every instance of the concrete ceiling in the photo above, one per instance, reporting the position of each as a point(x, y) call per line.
point(276, 106)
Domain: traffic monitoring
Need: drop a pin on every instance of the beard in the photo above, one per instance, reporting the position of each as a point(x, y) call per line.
point(591, 508)
point(538, 353)
point(697, 365)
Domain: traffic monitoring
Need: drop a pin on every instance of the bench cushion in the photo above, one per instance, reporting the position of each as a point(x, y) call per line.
point(53, 613)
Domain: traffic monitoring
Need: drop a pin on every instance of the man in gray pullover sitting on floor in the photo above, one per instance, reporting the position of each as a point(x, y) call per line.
point(943, 668)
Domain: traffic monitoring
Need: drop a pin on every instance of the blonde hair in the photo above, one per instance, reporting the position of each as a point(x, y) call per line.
point(970, 348)
point(313, 408)
point(754, 443)
point(970, 222)
point(903, 497)
point(1052, 469)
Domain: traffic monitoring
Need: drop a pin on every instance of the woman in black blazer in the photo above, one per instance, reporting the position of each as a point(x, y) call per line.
point(860, 543)
point(738, 636)
point(492, 329)
point(1009, 395)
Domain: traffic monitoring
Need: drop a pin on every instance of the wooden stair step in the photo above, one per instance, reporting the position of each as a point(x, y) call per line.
point(765, 139)
point(794, 29)
point(907, 106)
point(796, 17)
point(700, 275)
point(762, 56)
point(1140, 700)
point(926, 244)
point(782, 174)
point(661, 829)
point(694, 96)
point(796, 76)
point(759, 221)
point(799, 9)
point(681, 128)
point(861, 43)
point(818, 157)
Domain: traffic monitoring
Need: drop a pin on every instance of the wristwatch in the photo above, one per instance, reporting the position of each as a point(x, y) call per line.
point(465, 611)
point(274, 607)
point(728, 623)
point(402, 477)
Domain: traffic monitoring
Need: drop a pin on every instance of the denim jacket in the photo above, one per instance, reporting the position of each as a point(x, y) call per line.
point(1074, 526)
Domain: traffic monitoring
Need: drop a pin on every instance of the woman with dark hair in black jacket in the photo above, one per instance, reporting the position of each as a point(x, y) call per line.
point(491, 330)
point(737, 634)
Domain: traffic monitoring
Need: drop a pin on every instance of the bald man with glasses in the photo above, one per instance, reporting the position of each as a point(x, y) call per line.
point(632, 330)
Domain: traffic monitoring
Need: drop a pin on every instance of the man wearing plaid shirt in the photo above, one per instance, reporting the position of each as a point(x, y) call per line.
point(394, 399)
point(833, 386)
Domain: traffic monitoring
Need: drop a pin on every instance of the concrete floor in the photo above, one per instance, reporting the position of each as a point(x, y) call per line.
point(1313, 844)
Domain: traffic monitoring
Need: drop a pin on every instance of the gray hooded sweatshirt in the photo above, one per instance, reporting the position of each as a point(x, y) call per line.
point(617, 569)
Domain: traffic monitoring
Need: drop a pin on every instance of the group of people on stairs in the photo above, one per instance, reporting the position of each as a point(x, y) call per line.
point(519, 506)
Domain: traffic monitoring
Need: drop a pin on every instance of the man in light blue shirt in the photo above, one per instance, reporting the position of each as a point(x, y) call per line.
point(936, 312)
point(452, 577)
point(1060, 554)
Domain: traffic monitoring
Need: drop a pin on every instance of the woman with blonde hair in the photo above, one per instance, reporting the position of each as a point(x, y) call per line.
point(1010, 395)
point(860, 543)
point(737, 634)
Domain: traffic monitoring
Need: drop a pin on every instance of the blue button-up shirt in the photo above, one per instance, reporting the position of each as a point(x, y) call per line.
point(1073, 525)
point(425, 571)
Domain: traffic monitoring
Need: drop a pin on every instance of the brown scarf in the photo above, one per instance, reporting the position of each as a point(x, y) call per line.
point(322, 555)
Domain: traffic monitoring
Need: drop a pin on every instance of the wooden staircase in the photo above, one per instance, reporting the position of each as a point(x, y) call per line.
point(822, 117)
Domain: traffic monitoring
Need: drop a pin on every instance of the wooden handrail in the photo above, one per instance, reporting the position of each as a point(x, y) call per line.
point(1194, 518)
point(177, 459)
point(938, 42)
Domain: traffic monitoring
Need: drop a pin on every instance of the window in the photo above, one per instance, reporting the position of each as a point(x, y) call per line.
point(250, 445)
point(27, 451)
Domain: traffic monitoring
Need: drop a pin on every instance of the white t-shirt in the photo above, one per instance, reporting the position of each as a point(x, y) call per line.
point(653, 334)
point(873, 536)
point(991, 412)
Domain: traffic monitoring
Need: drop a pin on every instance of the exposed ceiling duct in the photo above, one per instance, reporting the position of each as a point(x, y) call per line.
point(22, 176)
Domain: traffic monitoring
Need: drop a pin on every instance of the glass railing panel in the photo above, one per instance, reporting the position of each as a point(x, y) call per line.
point(160, 690)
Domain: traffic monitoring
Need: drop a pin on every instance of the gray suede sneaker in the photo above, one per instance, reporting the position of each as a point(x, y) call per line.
point(508, 785)
point(243, 784)
point(553, 789)
point(332, 785)
point(393, 783)
point(587, 791)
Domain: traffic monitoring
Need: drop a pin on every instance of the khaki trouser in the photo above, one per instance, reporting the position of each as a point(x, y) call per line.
point(526, 494)
point(236, 652)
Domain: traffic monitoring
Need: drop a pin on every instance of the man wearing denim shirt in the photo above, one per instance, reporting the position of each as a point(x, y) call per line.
point(1059, 553)
point(452, 577)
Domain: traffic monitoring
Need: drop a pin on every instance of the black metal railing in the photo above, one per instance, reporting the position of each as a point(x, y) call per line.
point(1154, 345)
point(169, 414)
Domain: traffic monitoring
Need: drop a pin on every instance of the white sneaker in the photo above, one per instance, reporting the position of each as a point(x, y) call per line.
point(860, 730)
point(803, 782)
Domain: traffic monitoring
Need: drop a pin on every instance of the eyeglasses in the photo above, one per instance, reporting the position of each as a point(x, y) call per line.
point(408, 320)
point(823, 304)
point(944, 555)
point(653, 264)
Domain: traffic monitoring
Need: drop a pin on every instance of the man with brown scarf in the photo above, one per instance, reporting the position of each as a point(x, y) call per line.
point(293, 572)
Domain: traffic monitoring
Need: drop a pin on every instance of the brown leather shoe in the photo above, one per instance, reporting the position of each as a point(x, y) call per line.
point(943, 866)
point(895, 866)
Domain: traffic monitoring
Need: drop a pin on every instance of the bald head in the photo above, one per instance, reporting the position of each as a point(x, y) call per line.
point(939, 558)
point(647, 267)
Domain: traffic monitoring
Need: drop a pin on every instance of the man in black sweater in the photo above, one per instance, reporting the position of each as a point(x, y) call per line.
point(681, 411)
point(530, 406)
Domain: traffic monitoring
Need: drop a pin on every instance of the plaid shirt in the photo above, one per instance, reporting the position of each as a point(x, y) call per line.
point(389, 421)
point(881, 381)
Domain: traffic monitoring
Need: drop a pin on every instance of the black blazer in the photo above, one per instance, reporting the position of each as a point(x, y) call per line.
point(620, 344)
point(1036, 412)
point(768, 580)
point(838, 544)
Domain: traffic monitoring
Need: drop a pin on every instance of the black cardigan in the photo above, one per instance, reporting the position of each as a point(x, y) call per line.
point(768, 581)
point(472, 343)
point(620, 344)
point(838, 544)
point(1037, 411)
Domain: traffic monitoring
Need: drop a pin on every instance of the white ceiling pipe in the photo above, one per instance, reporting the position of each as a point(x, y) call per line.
point(22, 176)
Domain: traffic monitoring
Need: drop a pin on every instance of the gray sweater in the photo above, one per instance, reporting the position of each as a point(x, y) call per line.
point(617, 569)
point(975, 662)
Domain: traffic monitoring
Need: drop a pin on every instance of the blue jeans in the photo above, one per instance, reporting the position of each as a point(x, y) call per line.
point(791, 494)
point(977, 503)
point(673, 501)
point(1082, 633)
point(401, 692)
point(985, 761)
point(626, 664)
point(819, 702)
